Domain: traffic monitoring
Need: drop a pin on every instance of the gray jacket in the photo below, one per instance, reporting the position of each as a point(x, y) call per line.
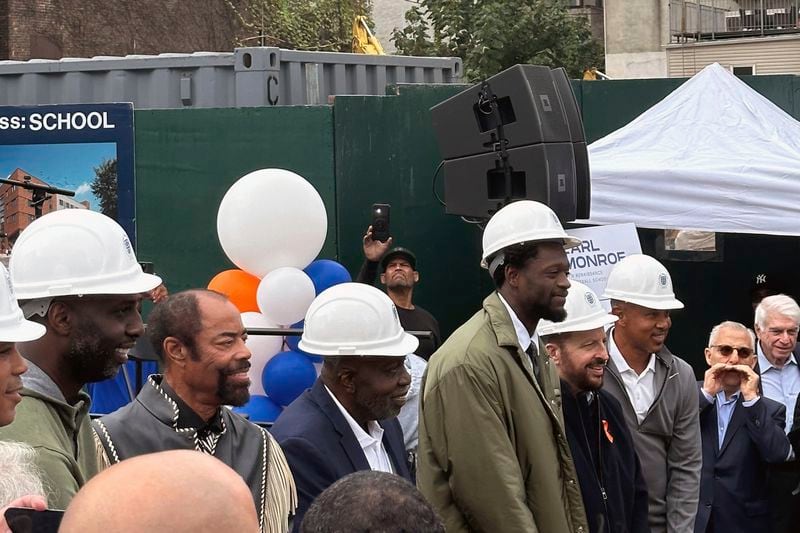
point(667, 442)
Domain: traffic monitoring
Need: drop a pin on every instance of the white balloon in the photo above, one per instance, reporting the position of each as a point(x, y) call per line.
point(285, 294)
point(263, 348)
point(271, 218)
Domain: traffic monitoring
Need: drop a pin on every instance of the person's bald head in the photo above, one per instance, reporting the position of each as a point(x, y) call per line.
point(176, 491)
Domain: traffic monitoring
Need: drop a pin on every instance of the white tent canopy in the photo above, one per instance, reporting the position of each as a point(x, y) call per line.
point(714, 155)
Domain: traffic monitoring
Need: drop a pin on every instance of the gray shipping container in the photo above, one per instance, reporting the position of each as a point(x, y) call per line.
point(258, 76)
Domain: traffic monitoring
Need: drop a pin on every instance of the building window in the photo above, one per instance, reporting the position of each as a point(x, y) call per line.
point(744, 71)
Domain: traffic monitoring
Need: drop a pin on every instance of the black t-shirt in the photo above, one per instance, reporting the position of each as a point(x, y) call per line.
point(418, 319)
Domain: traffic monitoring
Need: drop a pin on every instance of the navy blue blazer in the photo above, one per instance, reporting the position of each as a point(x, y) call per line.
point(733, 484)
point(321, 448)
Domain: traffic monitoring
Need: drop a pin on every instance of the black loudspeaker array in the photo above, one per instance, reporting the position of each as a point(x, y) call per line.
point(518, 135)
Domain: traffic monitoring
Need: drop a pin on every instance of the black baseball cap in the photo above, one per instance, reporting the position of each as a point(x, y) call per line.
point(765, 284)
point(407, 254)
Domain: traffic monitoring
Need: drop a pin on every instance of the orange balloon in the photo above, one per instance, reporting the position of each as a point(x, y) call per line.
point(239, 286)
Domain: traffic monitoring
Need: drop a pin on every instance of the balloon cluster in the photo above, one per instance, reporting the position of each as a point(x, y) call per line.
point(272, 224)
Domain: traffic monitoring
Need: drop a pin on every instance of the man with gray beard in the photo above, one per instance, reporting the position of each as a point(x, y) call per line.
point(199, 336)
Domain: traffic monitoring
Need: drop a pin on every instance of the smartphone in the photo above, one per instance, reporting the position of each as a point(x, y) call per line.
point(24, 520)
point(380, 222)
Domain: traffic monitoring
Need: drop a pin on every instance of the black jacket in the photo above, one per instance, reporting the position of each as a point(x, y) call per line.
point(614, 495)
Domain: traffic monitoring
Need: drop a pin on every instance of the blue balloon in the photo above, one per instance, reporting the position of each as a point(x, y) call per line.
point(260, 409)
point(287, 375)
point(292, 340)
point(326, 273)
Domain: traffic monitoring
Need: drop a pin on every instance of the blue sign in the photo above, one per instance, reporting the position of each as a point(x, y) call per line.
point(84, 148)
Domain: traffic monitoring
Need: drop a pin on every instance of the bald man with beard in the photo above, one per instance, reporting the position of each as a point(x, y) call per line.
point(179, 491)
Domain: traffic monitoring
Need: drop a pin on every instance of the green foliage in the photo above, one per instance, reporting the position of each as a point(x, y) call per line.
point(492, 35)
point(300, 24)
point(104, 186)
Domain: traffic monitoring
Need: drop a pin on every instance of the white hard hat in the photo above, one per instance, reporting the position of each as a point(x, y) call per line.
point(523, 221)
point(641, 280)
point(584, 313)
point(75, 252)
point(13, 326)
point(355, 319)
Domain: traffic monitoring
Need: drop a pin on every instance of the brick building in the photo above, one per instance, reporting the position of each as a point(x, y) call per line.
point(52, 29)
point(15, 209)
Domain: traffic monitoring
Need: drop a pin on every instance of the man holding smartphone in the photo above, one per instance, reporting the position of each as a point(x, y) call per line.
point(399, 275)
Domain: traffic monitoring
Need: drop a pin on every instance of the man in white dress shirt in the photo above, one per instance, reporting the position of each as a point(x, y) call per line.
point(657, 391)
point(776, 325)
point(347, 421)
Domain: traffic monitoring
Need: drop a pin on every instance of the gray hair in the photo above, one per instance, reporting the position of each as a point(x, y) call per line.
point(729, 324)
point(20, 476)
point(780, 304)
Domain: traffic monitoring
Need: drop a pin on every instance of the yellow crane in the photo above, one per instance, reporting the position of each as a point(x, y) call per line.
point(364, 41)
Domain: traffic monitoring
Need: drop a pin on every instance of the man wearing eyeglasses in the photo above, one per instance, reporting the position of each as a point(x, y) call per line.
point(776, 323)
point(742, 433)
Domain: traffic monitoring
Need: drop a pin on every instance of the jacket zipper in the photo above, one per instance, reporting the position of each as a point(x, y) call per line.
point(655, 400)
point(598, 469)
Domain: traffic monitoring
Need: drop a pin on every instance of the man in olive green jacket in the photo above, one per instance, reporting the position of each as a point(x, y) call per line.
point(88, 303)
point(493, 453)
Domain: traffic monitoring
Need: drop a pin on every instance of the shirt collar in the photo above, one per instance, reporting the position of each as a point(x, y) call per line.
point(620, 362)
point(187, 418)
point(721, 400)
point(365, 439)
point(763, 363)
point(523, 337)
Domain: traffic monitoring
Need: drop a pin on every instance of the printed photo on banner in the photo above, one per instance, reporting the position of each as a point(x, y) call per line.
point(601, 248)
point(65, 157)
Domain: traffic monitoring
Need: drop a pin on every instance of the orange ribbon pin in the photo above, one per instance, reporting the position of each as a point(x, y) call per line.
point(609, 436)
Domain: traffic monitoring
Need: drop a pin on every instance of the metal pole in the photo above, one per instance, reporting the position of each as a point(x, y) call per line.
point(762, 18)
point(713, 18)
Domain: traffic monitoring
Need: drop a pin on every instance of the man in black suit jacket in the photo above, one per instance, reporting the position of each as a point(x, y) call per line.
point(742, 433)
point(609, 473)
point(346, 421)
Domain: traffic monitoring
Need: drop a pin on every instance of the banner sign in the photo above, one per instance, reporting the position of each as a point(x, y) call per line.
point(601, 248)
point(83, 148)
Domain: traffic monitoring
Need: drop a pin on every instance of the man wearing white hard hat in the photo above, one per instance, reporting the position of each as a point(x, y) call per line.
point(75, 273)
point(657, 390)
point(26, 490)
point(493, 454)
point(614, 492)
point(347, 421)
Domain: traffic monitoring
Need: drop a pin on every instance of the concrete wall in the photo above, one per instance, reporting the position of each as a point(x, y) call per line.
point(635, 36)
point(388, 15)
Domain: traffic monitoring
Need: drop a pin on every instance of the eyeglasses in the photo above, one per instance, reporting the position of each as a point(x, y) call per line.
point(726, 350)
